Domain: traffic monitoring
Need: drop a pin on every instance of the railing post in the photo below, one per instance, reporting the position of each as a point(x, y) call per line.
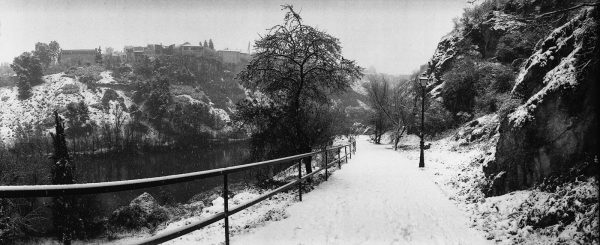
point(226, 208)
point(300, 181)
point(339, 158)
point(346, 153)
point(326, 162)
point(350, 146)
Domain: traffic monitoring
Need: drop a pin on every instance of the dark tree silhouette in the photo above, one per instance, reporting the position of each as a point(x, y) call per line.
point(42, 51)
point(54, 50)
point(159, 99)
point(296, 68)
point(78, 119)
point(62, 172)
point(98, 57)
point(29, 73)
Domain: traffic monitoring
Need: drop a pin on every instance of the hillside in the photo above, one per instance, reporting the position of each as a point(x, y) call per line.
point(55, 93)
point(537, 75)
point(59, 90)
point(95, 86)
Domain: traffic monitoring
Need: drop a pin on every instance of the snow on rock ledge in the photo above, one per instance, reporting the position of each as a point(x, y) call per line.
point(556, 126)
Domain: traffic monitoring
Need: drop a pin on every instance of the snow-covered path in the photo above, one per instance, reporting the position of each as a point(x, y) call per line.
point(380, 197)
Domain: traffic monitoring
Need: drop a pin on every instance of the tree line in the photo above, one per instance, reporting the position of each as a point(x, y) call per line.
point(29, 66)
point(396, 108)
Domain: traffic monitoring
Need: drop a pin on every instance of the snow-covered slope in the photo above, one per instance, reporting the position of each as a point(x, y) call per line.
point(58, 90)
point(55, 93)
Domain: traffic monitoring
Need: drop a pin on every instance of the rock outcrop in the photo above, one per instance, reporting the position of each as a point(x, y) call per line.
point(142, 211)
point(482, 128)
point(480, 40)
point(556, 126)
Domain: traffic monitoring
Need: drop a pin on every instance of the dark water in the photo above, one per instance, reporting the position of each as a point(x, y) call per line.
point(136, 166)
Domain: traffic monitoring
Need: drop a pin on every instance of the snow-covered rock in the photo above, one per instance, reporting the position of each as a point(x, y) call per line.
point(478, 129)
point(503, 22)
point(142, 211)
point(444, 53)
point(557, 125)
point(484, 37)
point(359, 87)
point(560, 212)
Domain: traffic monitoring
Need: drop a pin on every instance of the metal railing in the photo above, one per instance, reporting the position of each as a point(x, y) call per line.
point(115, 186)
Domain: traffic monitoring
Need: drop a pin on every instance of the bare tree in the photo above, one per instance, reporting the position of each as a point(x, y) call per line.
point(378, 91)
point(392, 107)
point(119, 116)
point(296, 67)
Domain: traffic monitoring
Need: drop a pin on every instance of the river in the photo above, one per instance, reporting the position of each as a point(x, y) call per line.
point(136, 166)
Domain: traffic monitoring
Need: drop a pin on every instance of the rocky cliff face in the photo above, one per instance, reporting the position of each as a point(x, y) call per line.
point(556, 126)
point(479, 40)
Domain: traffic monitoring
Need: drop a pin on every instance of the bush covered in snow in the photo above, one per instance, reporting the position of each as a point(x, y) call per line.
point(86, 74)
point(570, 215)
point(143, 211)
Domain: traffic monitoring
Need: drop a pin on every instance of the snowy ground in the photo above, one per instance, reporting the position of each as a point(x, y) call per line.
point(381, 197)
point(568, 215)
point(269, 210)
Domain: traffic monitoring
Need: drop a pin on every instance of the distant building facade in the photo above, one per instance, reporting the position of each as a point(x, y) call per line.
point(5, 69)
point(233, 57)
point(188, 49)
point(78, 57)
point(113, 58)
point(133, 54)
point(137, 53)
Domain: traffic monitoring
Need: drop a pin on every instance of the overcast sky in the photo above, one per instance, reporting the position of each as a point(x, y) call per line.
point(395, 37)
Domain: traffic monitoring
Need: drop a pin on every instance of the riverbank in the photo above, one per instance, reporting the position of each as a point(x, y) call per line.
point(170, 209)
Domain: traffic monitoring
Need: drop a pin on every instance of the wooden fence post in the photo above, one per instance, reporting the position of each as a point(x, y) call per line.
point(226, 208)
point(326, 162)
point(339, 158)
point(299, 177)
point(346, 153)
point(350, 146)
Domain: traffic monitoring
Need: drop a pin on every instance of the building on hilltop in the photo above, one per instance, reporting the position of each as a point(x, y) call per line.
point(188, 49)
point(78, 57)
point(134, 54)
point(233, 57)
point(137, 53)
point(113, 58)
point(154, 50)
point(5, 70)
